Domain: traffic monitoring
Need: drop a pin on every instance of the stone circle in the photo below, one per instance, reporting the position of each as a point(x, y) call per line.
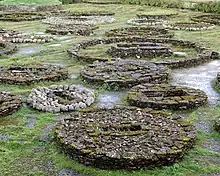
point(203, 54)
point(217, 124)
point(84, 30)
point(125, 73)
point(7, 48)
point(145, 21)
point(61, 98)
point(124, 138)
point(17, 37)
point(165, 96)
point(21, 16)
point(207, 18)
point(140, 31)
point(31, 74)
point(190, 26)
point(140, 50)
point(10, 103)
point(156, 16)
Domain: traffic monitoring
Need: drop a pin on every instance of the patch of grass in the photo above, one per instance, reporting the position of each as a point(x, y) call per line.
point(30, 2)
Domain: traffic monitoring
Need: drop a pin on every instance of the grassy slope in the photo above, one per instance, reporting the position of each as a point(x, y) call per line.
point(30, 2)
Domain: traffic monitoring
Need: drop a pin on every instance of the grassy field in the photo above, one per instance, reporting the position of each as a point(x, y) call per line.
point(25, 154)
point(30, 2)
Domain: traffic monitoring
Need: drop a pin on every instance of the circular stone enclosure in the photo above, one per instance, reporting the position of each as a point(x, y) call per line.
point(10, 103)
point(165, 96)
point(61, 98)
point(140, 31)
point(200, 54)
point(207, 18)
point(31, 74)
point(124, 73)
point(21, 16)
point(124, 138)
point(156, 16)
point(145, 21)
point(190, 26)
point(7, 48)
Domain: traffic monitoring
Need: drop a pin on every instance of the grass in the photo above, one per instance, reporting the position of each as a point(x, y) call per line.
point(30, 2)
point(18, 154)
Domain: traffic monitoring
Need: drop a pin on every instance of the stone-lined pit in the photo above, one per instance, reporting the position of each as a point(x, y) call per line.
point(125, 73)
point(207, 18)
point(190, 26)
point(203, 54)
point(7, 48)
point(140, 31)
point(17, 37)
point(31, 74)
point(140, 50)
point(124, 138)
point(21, 16)
point(165, 96)
point(61, 98)
point(9, 103)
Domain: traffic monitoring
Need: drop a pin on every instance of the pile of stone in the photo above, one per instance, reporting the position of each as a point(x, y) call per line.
point(124, 138)
point(10, 103)
point(17, 37)
point(165, 96)
point(21, 16)
point(125, 73)
point(148, 31)
point(84, 30)
point(207, 18)
point(217, 124)
point(6, 47)
point(203, 54)
point(59, 98)
point(31, 74)
point(140, 50)
point(190, 26)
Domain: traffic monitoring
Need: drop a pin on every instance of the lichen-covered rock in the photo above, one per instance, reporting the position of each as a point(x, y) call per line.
point(60, 98)
point(10, 103)
point(7, 48)
point(21, 16)
point(165, 96)
point(203, 54)
point(125, 73)
point(207, 18)
point(140, 31)
point(31, 74)
point(124, 138)
point(190, 26)
point(217, 125)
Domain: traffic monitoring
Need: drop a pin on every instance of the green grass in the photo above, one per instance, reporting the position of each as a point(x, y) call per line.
point(30, 2)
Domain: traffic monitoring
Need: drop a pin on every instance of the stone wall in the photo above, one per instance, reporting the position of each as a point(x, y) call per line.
point(7, 48)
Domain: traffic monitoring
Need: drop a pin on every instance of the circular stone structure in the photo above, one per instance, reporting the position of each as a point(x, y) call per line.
point(165, 96)
point(17, 37)
point(10, 103)
point(31, 74)
point(203, 54)
point(145, 21)
point(140, 50)
point(21, 16)
point(207, 18)
point(124, 138)
point(7, 48)
point(190, 26)
point(156, 16)
point(84, 30)
point(140, 31)
point(217, 125)
point(59, 98)
point(125, 73)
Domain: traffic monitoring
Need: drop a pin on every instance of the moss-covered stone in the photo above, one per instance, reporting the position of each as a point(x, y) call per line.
point(127, 138)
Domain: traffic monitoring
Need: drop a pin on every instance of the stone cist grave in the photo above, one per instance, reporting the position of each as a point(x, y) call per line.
point(125, 73)
point(207, 18)
point(7, 48)
point(140, 50)
point(217, 125)
point(199, 54)
point(84, 30)
point(10, 103)
point(140, 31)
point(165, 96)
point(61, 98)
point(17, 37)
point(31, 74)
point(191, 26)
point(124, 138)
point(21, 16)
